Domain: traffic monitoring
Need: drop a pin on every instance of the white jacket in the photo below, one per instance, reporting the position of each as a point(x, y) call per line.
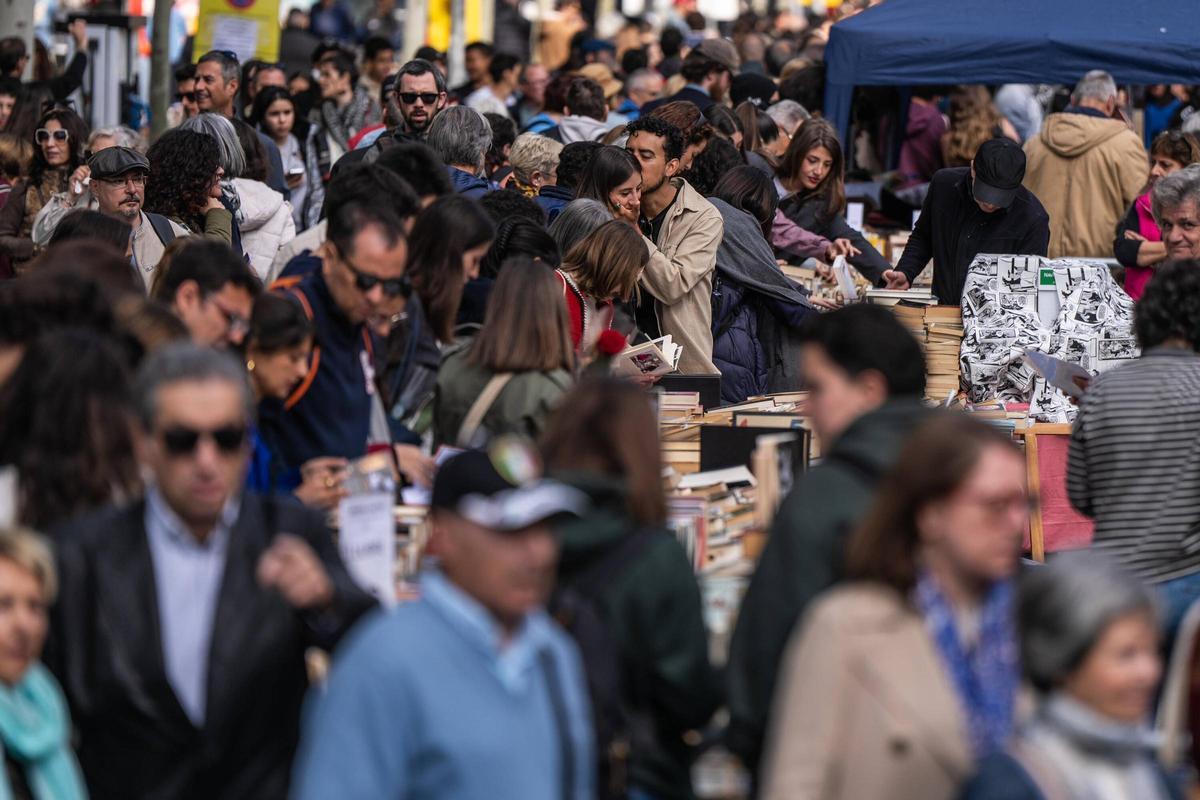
point(265, 219)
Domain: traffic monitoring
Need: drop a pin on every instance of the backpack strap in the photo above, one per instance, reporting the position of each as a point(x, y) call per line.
point(482, 404)
point(162, 227)
point(289, 286)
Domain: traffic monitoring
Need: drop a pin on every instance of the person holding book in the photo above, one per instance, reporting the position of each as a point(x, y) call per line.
point(600, 271)
point(866, 376)
point(604, 442)
point(982, 208)
point(682, 231)
point(517, 369)
point(813, 170)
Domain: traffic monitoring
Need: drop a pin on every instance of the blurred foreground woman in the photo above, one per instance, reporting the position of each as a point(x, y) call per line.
point(1090, 645)
point(35, 728)
point(897, 683)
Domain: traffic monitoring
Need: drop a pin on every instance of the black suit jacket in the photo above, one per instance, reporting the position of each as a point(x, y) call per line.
point(135, 741)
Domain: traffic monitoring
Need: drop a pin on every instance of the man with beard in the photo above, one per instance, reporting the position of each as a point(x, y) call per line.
point(118, 189)
point(709, 72)
point(682, 231)
point(420, 95)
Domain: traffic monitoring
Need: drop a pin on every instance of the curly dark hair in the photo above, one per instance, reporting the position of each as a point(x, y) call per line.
point(712, 164)
point(672, 136)
point(76, 129)
point(1170, 308)
point(183, 165)
point(74, 449)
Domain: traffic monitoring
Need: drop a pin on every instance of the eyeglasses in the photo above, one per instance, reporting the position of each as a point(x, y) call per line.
point(44, 135)
point(409, 98)
point(189, 97)
point(182, 441)
point(239, 326)
point(365, 281)
point(137, 179)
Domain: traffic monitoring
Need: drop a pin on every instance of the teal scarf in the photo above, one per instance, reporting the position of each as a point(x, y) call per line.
point(34, 729)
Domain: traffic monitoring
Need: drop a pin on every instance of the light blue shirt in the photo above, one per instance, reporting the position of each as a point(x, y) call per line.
point(429, 702)
point(187, 582)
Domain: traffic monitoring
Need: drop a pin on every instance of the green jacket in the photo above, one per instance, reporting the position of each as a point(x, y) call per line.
point(653, 612)
point(523, 407)
point(802, 558)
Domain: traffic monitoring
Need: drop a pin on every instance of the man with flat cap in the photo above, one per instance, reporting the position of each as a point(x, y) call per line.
point(982, 208)
point(471, 691)
point(117, 188)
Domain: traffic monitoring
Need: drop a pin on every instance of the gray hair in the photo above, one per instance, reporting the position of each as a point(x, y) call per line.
point(233, 158)
point(231, 70)
point(184, 361)
point(123, 137)
point(1063, 609)
point(789, 115)
point(460, 135)
point(1096, 85)
point(533, 153)
point(577, 221)
point(638, 79)
point(1174, 190)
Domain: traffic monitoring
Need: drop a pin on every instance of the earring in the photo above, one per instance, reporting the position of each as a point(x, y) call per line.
point(250, 365)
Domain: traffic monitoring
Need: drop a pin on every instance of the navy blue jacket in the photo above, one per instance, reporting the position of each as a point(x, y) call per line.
point(332, 417)
point(702, 100)
point(553, 199)
point(467, 184)
point(755, 311)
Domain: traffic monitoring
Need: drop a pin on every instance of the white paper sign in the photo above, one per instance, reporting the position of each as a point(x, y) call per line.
point(854, 216)
point(237, 34)
point(367, 541)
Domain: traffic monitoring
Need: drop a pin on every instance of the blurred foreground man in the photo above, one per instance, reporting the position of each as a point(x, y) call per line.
point(180, 631)
point(866, 376)
point(472, 691)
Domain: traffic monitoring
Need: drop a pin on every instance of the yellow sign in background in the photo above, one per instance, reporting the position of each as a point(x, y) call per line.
point(249, 28)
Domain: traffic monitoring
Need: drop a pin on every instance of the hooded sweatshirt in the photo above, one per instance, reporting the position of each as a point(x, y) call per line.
point(804, 556)
point(581, 129)
point(1086, 169)
point(653, 612)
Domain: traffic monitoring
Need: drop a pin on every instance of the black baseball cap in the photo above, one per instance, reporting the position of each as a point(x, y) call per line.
point(999, 170)
point(502, 488)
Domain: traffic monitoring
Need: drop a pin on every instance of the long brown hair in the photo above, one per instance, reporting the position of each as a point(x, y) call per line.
point(813, 134)
point(608, 262)
point(973, 120)
point(1177, 146)
point(525, 328)
point(935, 461)
point(607, 426)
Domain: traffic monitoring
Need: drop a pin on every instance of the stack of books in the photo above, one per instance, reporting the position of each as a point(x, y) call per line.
point(943, 341)
point(916, 296)
point(912, 317)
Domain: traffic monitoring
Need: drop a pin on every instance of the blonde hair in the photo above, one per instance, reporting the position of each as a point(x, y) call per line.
point(16, 155)
point(533, 153)
point(29, 551)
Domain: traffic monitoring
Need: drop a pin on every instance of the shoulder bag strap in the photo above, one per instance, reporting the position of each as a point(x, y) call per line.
point(481, 406)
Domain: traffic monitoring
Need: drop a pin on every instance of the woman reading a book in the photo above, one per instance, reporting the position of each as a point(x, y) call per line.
point(518, 367)
point(814, 172)
point(614, 177)
point(600, 271)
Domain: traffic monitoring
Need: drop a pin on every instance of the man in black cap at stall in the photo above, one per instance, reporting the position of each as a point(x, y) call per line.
point(982, 208)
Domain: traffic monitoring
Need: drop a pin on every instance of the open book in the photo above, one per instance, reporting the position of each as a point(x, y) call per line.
point(652, 358)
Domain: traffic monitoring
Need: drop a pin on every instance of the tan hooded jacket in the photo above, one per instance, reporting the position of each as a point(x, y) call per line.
point(1086, 171)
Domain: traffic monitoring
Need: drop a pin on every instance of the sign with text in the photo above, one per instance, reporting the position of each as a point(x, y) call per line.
point(247, 28)
point(367, 541)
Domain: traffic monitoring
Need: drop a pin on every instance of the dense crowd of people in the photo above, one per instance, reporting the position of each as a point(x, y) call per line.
point(341, 254)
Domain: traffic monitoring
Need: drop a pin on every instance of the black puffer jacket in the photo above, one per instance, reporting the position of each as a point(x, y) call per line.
point(756, 311)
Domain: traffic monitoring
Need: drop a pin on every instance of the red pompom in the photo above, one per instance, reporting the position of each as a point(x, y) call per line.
point(610, 342)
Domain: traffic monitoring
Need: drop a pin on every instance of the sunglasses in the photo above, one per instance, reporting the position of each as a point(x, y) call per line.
point(392, 287)
point(43, 135)
point(188, 96)
point(428, 98)
point(181, 441)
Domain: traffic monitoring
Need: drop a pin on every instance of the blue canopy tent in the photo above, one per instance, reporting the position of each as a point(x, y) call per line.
point(923, 42)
